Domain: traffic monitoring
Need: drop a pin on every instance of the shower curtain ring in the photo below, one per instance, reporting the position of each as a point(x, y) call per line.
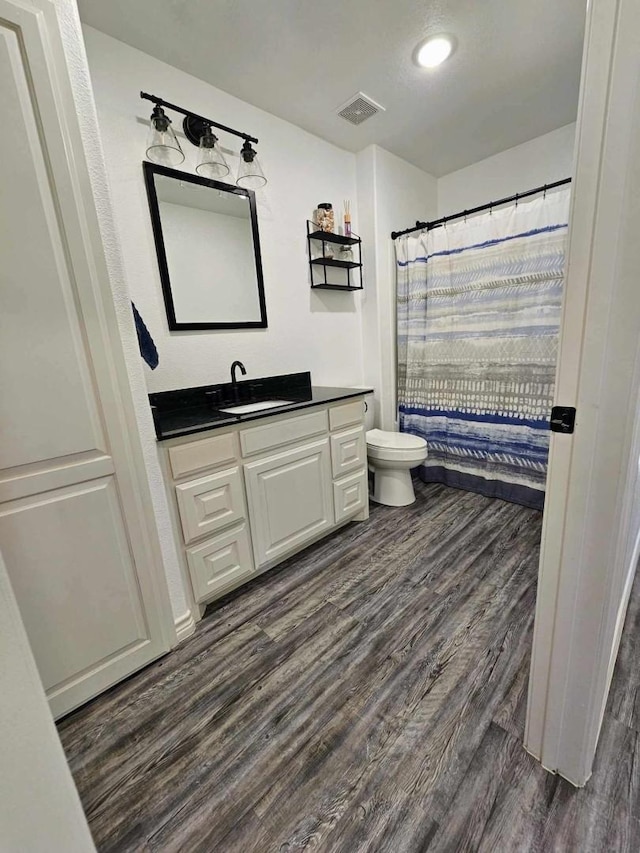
point(544, 192)
point(491, 208)
point(516, 199)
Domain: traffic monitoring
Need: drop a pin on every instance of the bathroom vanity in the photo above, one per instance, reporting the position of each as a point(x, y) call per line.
point(256, 471)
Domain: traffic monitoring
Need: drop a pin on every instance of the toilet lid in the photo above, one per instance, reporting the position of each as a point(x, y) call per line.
point(397, 440)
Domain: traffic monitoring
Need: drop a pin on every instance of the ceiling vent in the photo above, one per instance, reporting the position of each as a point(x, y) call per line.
point(359, 108)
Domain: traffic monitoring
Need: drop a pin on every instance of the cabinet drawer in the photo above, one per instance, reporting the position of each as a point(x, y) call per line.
point(350, 495)
point(195, 456)
point(220, 564)
point(349, 413)
point(210, 503)
point(348, 451)
point(290, 500)
point(279, 433)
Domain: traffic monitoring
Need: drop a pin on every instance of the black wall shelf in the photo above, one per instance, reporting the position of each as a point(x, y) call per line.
point(330, 237)
point(322, 263)
point(334, 262)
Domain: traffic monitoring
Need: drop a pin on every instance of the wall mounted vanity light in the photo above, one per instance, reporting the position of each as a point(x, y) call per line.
point(211, 163)
point(162, 145)
point(165, 149)
point(250, 174)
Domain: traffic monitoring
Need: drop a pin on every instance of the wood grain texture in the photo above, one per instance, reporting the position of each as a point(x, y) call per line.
point(367, 695)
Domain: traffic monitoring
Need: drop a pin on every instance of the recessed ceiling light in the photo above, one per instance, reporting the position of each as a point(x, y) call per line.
point(433, 51)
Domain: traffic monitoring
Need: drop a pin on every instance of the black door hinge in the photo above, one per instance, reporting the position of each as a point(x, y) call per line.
point(563, 419)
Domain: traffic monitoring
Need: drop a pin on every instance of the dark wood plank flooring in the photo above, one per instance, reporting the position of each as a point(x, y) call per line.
point(367, 695)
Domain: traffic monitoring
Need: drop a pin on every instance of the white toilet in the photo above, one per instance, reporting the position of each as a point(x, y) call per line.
point(391, 456)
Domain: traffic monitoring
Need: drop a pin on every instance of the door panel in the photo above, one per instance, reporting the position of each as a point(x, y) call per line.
point(44, 375)
point(290, 500)
point(72, 621)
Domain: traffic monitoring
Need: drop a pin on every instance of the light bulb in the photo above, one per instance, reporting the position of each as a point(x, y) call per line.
point(434, 51)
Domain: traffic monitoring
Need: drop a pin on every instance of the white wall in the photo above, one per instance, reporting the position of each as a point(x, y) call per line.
point(540, 161)
point(318, 331)
point(392, 194)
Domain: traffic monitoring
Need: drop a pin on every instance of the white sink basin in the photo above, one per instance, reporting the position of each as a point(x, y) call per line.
point(255, 407)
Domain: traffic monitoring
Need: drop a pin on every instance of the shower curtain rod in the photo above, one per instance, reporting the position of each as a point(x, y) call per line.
point(435, 223)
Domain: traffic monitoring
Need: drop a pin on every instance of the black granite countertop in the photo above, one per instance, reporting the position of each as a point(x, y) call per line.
point(193, 410)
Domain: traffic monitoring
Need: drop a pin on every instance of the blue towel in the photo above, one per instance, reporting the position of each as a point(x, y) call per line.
point(147, 347)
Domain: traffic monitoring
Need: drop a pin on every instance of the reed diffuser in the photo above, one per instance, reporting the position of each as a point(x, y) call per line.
point(347, 218)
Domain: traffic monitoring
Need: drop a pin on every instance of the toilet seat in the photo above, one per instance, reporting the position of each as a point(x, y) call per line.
point(385, 445)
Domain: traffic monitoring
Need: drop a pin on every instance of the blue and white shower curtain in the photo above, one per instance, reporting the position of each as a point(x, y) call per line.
point(479, 306)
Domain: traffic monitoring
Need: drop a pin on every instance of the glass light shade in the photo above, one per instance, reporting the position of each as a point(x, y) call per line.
point(163, 146)
point(211, 163)
point(250, 174)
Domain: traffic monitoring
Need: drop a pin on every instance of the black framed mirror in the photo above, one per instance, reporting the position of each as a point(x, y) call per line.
point(208, 249)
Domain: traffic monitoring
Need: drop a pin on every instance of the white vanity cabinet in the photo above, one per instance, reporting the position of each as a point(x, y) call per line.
point(246, 496)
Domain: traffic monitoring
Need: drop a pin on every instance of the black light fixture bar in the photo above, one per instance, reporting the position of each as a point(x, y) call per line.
point(435, 223)
point(162, 103)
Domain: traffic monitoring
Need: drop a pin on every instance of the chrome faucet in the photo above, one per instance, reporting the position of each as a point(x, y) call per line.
point(234, 381)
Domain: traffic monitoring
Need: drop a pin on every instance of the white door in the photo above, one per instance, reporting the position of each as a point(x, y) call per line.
point(290, 500)
point(74, 530)
point(592, 512)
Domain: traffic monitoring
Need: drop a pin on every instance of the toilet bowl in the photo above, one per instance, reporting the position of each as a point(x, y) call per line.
point(391, 456)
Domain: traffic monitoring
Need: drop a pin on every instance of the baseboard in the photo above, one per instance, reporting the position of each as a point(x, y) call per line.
point(185, 626)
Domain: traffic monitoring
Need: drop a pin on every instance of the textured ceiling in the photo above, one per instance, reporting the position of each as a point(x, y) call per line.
point(514, 75)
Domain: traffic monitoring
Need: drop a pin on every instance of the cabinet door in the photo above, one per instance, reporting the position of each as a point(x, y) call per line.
point(290, 500)
point(210, 503)
point(348, 451)
point(350, 495)
point(220, 564)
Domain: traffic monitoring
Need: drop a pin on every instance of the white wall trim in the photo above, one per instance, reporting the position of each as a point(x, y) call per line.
point(185, 626)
